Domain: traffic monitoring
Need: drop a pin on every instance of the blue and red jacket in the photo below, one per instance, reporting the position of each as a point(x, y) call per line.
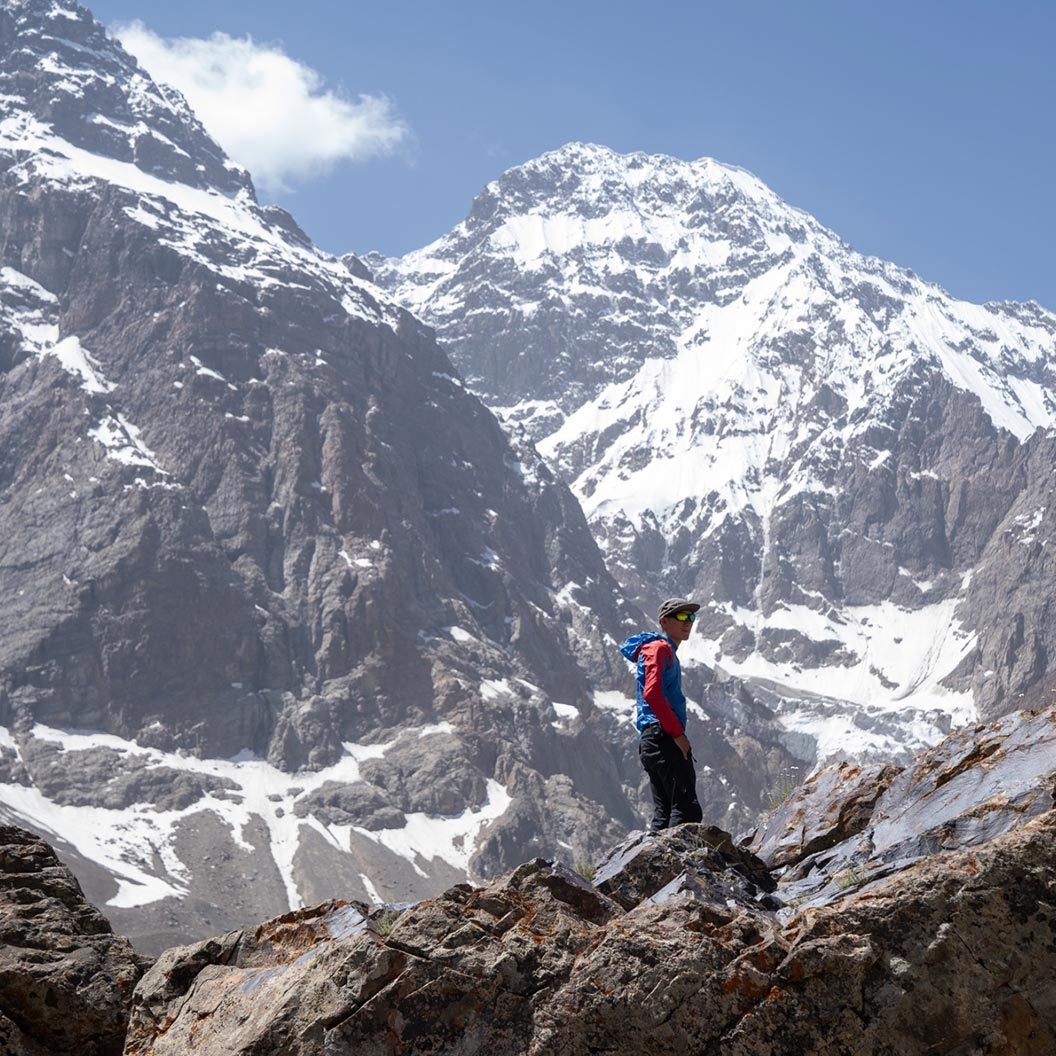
point(660, 696)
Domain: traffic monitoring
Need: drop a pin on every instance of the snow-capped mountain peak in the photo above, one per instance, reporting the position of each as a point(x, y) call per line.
point(750, 409)
point(87, 90)
point(77, 112)
point(702, 256)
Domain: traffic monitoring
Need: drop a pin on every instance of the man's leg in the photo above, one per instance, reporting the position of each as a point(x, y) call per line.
point(684, 803)
point(661, 775)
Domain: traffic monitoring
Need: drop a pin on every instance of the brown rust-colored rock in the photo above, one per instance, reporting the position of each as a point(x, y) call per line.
point(829, 807)
point(953, 955)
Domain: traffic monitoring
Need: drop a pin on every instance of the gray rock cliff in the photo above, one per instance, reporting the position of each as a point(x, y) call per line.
point(285, 607)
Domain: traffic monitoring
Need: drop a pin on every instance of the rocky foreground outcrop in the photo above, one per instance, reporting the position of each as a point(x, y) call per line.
point(66, 979)
point(887, 912)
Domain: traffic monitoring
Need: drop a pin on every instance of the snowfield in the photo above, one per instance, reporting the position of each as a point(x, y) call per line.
point(136, 844)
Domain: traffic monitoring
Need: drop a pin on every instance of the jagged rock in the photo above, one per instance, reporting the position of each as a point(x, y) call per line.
point(104, 777)
point(150, 125)
point(951, 953)
point(248, 508)
point(828, 808)
point(253, 991)
point(434, 776)
point(341, 804)
point(646, 862)
point(333, 975)
point(532, 965)
point(12, 769)
point(66, 980)
point(972, 787)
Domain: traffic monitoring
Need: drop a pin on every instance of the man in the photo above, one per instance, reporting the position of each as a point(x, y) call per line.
point(663, 746)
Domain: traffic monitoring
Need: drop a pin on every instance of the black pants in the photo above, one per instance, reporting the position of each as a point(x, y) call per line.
point(672, 778)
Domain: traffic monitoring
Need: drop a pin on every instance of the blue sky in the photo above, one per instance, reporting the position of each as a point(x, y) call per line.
point(922, 133)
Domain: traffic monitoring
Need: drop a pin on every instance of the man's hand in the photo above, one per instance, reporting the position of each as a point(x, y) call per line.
point(683, 744)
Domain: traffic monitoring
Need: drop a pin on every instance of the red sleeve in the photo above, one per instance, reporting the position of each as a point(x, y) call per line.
point(657, 656)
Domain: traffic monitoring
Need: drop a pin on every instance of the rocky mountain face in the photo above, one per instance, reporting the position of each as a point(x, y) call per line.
point(875, 912)
point(287, 613)
point(849, 466)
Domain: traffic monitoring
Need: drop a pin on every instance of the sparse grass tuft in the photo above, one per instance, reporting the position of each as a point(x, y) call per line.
point(586, 870)
point(849, 877)
point(386, 921)
point(786, 783)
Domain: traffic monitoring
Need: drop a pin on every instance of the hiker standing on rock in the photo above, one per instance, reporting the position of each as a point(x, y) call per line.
point(663, 746)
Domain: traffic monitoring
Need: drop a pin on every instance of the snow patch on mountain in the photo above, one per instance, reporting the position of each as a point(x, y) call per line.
point(76, 360)
point(888, 660)
point(111, 123)
point(136, 844)
point(190, 219)
point(31, 313)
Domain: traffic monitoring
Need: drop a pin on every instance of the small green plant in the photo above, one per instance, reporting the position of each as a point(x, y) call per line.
point(586, 870)
point(849, 877)
point(783, 787)
point(386, 921)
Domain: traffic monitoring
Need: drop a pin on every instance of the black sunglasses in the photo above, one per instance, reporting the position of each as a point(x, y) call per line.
point(684, 617)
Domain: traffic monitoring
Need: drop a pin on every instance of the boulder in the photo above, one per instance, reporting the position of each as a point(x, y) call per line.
point(646, 862)
point(66, 980)
point(832, 805)
point(977, 784)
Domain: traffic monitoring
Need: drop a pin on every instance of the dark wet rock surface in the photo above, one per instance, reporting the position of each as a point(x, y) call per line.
point(974, 786)
point(828, 808)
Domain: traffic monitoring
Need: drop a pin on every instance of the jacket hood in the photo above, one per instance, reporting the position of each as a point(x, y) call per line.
point(635, 642)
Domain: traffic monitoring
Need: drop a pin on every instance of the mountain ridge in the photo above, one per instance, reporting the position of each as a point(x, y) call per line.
point(287, 607)
point(750, 410)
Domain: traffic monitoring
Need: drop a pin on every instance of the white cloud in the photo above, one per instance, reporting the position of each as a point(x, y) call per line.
point(269, 112)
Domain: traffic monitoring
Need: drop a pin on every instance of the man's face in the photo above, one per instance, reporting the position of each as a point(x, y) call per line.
point(677, 630)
